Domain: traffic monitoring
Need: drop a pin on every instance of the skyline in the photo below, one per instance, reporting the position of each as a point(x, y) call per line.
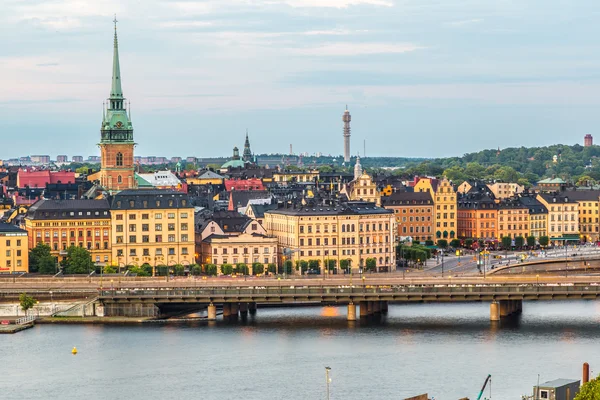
point(405, 68)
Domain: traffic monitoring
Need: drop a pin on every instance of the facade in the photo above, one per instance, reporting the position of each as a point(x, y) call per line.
point(414, 213)
point(77, 159)
point(206, 178)
point(64, 223)
point(62, 159)
point(364, 189)
point(538, 215)
point(551, 185)
point(588, 140)
point(244, 248)
point(40, 159)
point(116, 136)
point(14, 255)
point(353, 231)
point(284, 177)
point(513, 219)
point(445, 210)
point(563, 216)
point(152, 226)
point(588, 204)
point(346, 118)
point(478, 217)
point(504, 190)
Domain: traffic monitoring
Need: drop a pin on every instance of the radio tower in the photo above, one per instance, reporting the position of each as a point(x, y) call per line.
point(346, 118)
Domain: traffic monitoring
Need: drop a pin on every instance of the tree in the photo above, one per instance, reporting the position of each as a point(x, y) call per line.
point(330, 264)
point(78, 261)
point(314, 264)
point(519, 242)
point(530, 241)
point(110, 269)
point(40, 260)
point(287, 266)
point(195, 269)
point(442, 243)
point(544, 240)
point(272, 268)
point(429, 243)
point(301, 265)
point(26, 302)
point(226, 269)
point(468, 243)
point(241, 268)
point(344, 264)
point(589, 390)
point(210, 269)
point(455, 243)
point(506, 242)
point(258, 268)
point(370, 264)
point(162, 270)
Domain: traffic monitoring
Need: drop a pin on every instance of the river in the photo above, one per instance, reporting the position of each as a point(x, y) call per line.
point(446, 350)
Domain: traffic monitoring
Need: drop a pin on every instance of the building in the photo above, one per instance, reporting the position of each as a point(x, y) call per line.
point(77, 159)
point(588, 140)
point(588, 204)
point(116, 136)
point(444, 198)
point(206, 177)
point(285, 177)
point(513, 218)
point(505, 190)
point(563, 216)
point(64, 223)
point(237, 249)
point(353, 232)
point(152, 226)
point(414, 213)
point(346, 118)
point(40, 159)
point(40, 178)
point(477, 216)
point(14, 255)
point(160, 180)
point(247, 155)
point(551, 185)
point(558, 389)
point(538, 215)
point(62, 159)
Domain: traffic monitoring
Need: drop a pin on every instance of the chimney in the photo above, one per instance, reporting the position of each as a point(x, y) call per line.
point(586, 373)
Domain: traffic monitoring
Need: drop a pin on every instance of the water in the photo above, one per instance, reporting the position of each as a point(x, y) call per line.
point(446, 350)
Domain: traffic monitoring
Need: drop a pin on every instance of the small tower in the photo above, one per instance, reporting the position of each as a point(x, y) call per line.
point(588, 140)
point(357, 168)
point(346, 118)
point(247, 156)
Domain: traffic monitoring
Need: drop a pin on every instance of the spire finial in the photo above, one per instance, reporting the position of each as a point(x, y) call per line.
point(115, 21)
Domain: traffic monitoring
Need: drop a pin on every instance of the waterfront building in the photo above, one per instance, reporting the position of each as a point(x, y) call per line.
point(352, 231)
point(64, 223)
point(478, 216)
point(563, 216)
point(588, 202)
point(116, 136)
point(513, 218)
point(14, 255)
point(538, 215)
point(444, 198)
point(239, 249)
point(152, 226)
point(414, 213)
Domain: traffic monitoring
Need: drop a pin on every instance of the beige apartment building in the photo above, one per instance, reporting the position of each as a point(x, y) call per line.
point(563, 216)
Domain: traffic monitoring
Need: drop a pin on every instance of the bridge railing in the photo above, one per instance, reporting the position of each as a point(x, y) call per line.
point(360, 290)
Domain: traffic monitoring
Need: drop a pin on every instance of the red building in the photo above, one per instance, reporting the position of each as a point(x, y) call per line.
point(244, 184)
point(588, 140)
point(39, 179)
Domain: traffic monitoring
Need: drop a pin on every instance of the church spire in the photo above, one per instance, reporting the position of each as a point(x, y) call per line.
point(247, 156)
point(116, 93)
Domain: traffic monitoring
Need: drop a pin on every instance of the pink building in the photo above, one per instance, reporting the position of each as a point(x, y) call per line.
point(243, 184)
point(39, 179)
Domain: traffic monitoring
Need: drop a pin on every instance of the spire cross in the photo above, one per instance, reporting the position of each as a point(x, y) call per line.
point(115, 21)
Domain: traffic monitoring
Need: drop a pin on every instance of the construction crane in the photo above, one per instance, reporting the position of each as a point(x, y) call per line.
point(488, 379)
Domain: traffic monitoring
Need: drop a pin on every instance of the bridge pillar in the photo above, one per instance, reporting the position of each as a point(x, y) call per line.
point(369, 308)
point(351, 312)
point(505, 310)
point(252, 308)
point(384, 307)
point(376, 307)
point(234, 309)
point(494, 311)
point(226, 310)
point(243, 308)
point(518, 306)
point(212, 312)
point(364, 309)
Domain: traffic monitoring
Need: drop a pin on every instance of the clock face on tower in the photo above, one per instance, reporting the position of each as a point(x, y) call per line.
point(119, 124)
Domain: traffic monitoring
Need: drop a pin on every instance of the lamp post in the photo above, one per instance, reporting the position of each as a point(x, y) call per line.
point(442, 263)
point(327, 380)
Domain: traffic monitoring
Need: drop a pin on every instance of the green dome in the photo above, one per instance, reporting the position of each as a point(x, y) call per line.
point(233, 164)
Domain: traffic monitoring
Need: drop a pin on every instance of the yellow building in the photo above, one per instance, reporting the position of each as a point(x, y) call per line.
point(513, 219)
point(64, 223)
point(14, 255)
point(295, 176)
point(152, 226)
point(353, 232)
point(563, 216)
point(244, 248)
point(206, 178)
point(444, 198)
point(505, 190)
point(363, 188)
point(588, 205)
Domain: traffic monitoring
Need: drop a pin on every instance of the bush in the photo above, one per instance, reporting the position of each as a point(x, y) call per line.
point(519, 241)
point(179, 270)
point(147, 268)
point(258, 268)
point(506, 242)
point(162, 270)
point(442, 243)
point(314, 264)
point(226, 269)
point(544, 240)
point(195, 269)
point(455, 243)
point(330, 264)
point(468, 243)
point(211, 269)
point(26, 301)
point(110, 269)
point(429, 243)
point(531, 241)
point(344, 264)
point(301, 265)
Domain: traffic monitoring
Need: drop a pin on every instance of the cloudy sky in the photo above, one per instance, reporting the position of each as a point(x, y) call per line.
point(421, 78)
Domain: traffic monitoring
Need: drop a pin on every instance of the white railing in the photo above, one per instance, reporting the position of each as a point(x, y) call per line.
point(25, 320)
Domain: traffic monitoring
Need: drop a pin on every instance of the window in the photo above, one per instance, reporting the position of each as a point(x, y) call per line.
point(171, 238)
point(184, 215)
point(159, 252)
point(184, 227)
point(146, 252)
point(184, 250)
point(132, 252)
point(119, 162)
point(145, 227)
point(119, 239)
point(158, 238)
point(145, 239)
point(171, 251)
point(158, 227)
point(145, 216)
point(131, 238)
point(158, 216)
point(171, 215)
point(132, 216)
point(132, 228)
point(119, 179)
point(119, 217)
point(184, 238)
point(120, 253)
point(171, 227)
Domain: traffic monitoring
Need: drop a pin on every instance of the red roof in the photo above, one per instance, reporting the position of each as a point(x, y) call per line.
point(39, 179)
point(244, 184)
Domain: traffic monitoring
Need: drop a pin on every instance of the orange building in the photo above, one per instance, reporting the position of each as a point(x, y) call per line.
point(413, 212)
point(478, 217)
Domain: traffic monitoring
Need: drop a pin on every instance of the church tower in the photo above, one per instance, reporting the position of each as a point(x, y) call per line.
point(247, 156)
point(116, 135)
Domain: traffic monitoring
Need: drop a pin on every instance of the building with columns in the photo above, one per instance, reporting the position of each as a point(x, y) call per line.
point(116, 136)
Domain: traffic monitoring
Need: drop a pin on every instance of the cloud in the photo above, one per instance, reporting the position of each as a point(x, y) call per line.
point(330, 3)
point(464, 22)
point(355, 49)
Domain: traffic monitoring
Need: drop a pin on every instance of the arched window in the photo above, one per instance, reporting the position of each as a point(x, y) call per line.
point(119, 161)
point(343, 228)
point(119, 179)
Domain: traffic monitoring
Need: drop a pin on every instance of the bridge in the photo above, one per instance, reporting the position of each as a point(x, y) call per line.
point(148, 297)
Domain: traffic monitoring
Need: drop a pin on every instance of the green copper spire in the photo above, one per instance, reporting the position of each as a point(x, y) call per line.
point(115, 91)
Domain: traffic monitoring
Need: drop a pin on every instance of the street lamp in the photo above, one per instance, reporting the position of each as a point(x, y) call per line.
point(327, 380)
point(442, 263)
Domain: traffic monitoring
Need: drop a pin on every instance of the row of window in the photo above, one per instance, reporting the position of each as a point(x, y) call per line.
point(158, 252)
point(235, 260)
point(8, 242)
point(183, 215)
point(255, 250)
point(63, 234)
point(157, 227)
point(417, 229)
point(157, 238)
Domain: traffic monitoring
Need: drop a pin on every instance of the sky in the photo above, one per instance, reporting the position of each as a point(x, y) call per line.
point(421, 78)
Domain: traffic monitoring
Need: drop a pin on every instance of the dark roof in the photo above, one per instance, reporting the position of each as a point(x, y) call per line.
point(563, 197)
point(477, 200)
point(9, 228)
point(229, 221)
point(534, 205)
point(69, 209)
point(408, 198)
point(240, 198)
point(138, 199)
point(259, 209)
point(349, 208)
point(582, 195)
